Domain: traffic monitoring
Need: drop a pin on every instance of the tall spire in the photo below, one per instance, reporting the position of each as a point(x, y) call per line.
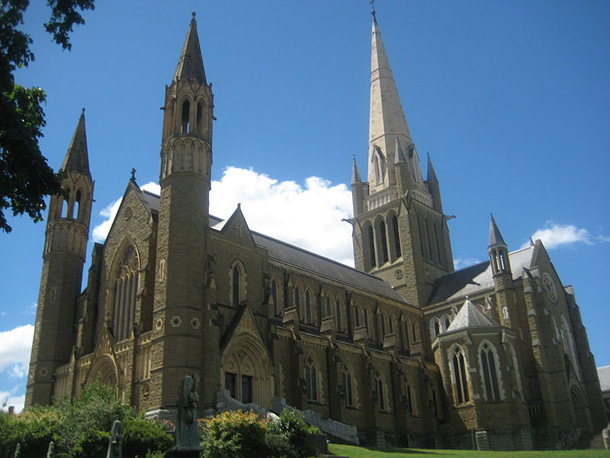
point(356, 173)
point(190, 64)
point(77, 156)
point(387, 121)
point(495, 237)
point(431, 175)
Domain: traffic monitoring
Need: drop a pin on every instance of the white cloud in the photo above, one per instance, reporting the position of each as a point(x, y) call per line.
point(11, 399)
point(109, 212)
point(554, 235)
point(461, 263)
point(15, 348)
point(308, 215)
point(100, 232)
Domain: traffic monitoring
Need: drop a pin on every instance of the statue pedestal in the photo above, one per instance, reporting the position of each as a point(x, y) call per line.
point(182, 452)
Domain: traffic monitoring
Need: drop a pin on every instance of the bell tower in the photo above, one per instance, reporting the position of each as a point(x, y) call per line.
point(186, 159)
point(62, 270)
point(400, 233)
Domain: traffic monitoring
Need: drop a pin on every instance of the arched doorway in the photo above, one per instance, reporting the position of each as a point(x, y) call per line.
point(246, 371)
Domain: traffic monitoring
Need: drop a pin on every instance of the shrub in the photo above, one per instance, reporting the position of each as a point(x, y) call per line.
point(235, 434)
point(279, 447)
point(141, 436)
point(291, 426)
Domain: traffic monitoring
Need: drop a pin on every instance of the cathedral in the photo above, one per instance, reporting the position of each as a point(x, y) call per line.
point(402, 350)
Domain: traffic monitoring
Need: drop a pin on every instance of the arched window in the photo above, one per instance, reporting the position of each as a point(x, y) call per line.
point(381, 395)
point(184, 124)
point(329, 311)
point(391, 324)
point(489, 373)
point(297, 300)
point(66, 213)
point(76, 209)
point(382, 324)
point(383, 241)
point(236, 279)
point(125, 290)
point(348, 388)
point(370, 249)
point(435, 328)
point(446, 322)
point(395, 234)
point(199, 118)
point(410, 399)
point(274, 297)
point(338, 315)
point(308, 314)
point(460, 382)
point(311, 379)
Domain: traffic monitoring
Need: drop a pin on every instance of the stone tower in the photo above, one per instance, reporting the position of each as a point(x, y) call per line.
point(400, 233)
point(186, 158)
point(63, 258)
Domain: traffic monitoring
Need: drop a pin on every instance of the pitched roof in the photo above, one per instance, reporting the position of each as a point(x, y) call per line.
point(306, 260)
point(604, 377)
point(473, 279)
point(469, 316)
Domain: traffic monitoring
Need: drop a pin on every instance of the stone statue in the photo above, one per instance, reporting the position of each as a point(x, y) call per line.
point(187, 430)
point(115, 445)
point(51, 451)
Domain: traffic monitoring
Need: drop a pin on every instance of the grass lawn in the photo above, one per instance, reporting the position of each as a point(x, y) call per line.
point(365, 452)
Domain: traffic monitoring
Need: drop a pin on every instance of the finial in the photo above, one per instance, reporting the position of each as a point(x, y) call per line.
point(194, 18)
point(133, 175)
point(372, 2)
point(82, 112)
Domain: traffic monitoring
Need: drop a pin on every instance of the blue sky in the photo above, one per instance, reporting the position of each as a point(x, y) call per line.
point(510, 98)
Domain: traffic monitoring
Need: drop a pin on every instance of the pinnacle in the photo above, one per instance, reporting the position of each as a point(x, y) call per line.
point(77, 156)
point(495, 237)
point(190, 63)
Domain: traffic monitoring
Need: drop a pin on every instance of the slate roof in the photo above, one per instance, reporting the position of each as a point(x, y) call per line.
point(306, 260)
point(604, 377)
point(473, 279)
point(469, 316)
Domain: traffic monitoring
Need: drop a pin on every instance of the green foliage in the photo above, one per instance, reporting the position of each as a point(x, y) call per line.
point(141, 436)
point(25, 176)
point(235, 434)
point(81, 428)
point(279, 447)
point(291, 426)
point(33, 434)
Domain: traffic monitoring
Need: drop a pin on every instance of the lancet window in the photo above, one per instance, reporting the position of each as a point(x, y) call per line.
point(460, 382)
point(489, 373)
point(311, 380)
point(125, 290)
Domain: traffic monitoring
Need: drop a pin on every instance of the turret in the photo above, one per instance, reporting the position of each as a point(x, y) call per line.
point(186, 159)
point(498, 251)
point(63, 258)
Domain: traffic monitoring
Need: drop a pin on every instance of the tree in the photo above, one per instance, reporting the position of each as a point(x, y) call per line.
point(25, 176)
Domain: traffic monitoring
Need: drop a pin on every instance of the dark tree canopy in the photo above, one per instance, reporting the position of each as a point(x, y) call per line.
point(25, 176)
